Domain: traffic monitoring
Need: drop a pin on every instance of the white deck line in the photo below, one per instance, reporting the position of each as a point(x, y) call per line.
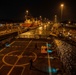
point(49, 65)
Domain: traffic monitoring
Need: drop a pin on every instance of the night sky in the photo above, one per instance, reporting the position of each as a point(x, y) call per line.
point(15, 9)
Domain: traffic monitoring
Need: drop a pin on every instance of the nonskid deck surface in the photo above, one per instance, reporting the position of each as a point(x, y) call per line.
point(15, 59)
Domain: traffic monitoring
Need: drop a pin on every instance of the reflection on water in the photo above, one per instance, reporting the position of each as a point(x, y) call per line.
point(67, 55)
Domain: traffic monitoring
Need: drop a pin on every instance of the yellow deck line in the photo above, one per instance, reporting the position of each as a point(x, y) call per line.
point(23, 71)
point(1, 67)
point(18, 60)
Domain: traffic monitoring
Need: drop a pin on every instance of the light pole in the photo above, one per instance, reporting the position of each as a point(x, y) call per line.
point(40, 17)
point(62, 5)
point(26, 14)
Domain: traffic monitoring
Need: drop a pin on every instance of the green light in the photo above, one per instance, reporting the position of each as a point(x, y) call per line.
point(53, 70)
point(7, 45)
point(49, 51)
point(48, 45)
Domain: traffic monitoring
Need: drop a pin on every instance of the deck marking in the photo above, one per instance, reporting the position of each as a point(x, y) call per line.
point(19, 56)
point(18, 59)
point(2, 49)
point(49, 64)
point(5, 47)
point(12, 43)
point(23, 70)
point(1, 67)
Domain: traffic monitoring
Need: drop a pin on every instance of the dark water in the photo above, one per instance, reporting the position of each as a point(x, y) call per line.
point(67, 55)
